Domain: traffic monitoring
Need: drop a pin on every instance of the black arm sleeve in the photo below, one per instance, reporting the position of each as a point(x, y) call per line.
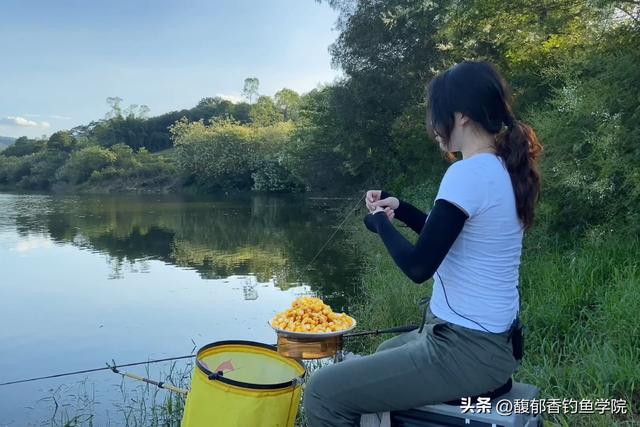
point(420, 262)
point(413, 217)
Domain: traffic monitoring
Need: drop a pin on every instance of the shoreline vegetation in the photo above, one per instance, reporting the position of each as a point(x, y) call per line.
point(215, 147)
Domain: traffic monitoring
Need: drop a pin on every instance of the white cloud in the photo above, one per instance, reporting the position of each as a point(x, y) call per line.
point(32, 243)
point(23, 123)
point(231, 97)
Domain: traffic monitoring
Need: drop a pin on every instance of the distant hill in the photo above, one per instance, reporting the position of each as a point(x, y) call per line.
point(6, 141)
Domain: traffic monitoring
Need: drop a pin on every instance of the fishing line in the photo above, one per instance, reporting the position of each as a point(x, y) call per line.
point(304, 270)
point(331, 237)
point(108, 367)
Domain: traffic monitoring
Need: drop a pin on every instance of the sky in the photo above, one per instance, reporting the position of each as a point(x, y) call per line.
point(60, 60)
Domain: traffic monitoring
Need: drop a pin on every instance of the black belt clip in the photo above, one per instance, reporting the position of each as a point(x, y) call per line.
point(516, 337)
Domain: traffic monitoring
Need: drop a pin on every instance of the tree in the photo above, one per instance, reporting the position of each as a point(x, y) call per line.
point(143, 110)
point(251, 85)
point(209, 101)
point(288, 102)
point(221, 155)
point(313, 155)
point(24, 146)
point(390, 50)
point(62, 141)
point(83, 162)
point(116, 110)
point(136, 111)
point(264, 112)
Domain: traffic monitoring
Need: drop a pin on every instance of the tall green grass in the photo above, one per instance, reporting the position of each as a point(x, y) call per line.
point(580, 307)
point(138, 405)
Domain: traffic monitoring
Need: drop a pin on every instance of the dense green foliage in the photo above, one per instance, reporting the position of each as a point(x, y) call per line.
point(572, 65)
point(63, 161)
point(590, 126)
point(131, 127)
point(245, 147)
point(227, 155)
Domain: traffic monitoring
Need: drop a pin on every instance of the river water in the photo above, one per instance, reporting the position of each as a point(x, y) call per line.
point(90, 279)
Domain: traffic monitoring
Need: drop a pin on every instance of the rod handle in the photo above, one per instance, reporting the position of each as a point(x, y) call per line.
point(394, 330)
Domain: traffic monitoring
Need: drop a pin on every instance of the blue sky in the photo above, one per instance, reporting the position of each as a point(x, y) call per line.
point(60, 60)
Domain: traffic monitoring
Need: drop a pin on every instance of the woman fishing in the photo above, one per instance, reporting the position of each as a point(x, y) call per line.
point(470, 243)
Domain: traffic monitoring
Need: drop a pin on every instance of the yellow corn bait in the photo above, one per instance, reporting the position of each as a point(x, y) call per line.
point(310, 315)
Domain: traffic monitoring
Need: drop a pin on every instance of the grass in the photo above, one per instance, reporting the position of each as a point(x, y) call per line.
point(148, 405)
point(580, 305)
point(140, 404)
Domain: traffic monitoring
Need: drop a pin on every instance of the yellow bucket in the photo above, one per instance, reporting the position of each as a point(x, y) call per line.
point(243, 383)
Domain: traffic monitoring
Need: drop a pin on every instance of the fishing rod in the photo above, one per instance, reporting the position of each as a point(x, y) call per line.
point(159, 384)
point(86, 371)
point(397, 329)
point(394, 330)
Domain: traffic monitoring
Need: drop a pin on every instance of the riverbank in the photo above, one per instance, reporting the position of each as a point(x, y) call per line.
point(167, 186)
point(580, 301)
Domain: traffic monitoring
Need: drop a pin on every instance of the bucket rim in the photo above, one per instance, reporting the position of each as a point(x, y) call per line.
point(215, 376)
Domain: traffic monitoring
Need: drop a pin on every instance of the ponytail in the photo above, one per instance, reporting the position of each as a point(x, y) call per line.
point(519, 147)
point(477, 90)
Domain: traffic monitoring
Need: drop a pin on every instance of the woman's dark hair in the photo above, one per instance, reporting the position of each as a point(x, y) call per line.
point(477, 90)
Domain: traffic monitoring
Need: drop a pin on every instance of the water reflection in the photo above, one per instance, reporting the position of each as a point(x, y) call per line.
point(271, 237)
point(91, 278)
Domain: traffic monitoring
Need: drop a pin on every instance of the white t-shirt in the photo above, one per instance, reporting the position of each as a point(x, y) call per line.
point(480, 271)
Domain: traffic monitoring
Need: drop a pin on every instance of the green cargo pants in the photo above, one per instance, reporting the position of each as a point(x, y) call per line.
point(444, 362)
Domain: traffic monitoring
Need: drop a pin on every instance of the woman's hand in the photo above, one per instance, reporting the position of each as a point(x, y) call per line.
point(373, 201)
point(390, 213)
point(367, 219)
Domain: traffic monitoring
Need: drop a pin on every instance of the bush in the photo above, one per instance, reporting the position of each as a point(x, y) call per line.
point(272, 176)
point(271, 172)
point(134, 169)
point(107, 174)
point(219, 156)
point(12, 169)
point(84, 162)
point(147, 166)
point(24, 146)
point(42, 169)
point(227, 155)
point(589, 129)
point(33, 171)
